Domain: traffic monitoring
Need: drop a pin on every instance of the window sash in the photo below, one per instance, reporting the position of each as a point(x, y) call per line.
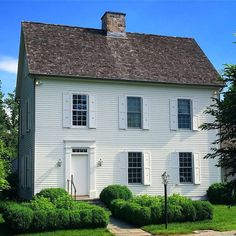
point(79, 113)
point(134, 112)
point(184, 114)
point(135, 168)
point(185, 167)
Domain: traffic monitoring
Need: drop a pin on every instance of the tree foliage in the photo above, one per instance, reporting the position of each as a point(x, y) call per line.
point(8, 135)
point(224, 114)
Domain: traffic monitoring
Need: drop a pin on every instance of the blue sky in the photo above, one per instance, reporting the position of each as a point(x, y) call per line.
point(211, 23)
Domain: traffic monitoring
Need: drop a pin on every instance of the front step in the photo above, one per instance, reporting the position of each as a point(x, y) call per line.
point(94, 201)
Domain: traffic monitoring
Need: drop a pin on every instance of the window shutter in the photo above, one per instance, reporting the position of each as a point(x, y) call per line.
point(22, 173)
point(173, 114)
point(122, 112)
point(197, 168)
point(92, 112)
point(147, 168)
point(174, 175)
point(28, 109)
point(66, 110)
point(23, 118)
point(195, 114)
point(124, 168)
point(145, 114)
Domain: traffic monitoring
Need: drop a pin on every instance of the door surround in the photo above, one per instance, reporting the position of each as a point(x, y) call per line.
point(91, 146)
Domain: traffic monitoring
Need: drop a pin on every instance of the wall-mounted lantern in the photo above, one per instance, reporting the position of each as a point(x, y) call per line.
point(100, 163)
point(59, 163)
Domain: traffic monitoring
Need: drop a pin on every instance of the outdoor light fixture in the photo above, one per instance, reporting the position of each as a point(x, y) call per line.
point(165, 178)
point(100, 162)
point(59, 163)
point(38, 82)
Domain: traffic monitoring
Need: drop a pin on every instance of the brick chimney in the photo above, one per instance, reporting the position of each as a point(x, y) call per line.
point(114, 24)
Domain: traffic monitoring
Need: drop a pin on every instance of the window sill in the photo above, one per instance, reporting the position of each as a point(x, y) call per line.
point(187, 184)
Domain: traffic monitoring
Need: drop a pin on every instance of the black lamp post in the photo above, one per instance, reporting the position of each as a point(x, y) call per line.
point(165, 178)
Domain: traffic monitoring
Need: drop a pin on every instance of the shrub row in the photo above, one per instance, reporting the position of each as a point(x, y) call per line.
point(23, 219)
point(52, 209)
point(145, 210)
point(113, 192)
point(222, 193)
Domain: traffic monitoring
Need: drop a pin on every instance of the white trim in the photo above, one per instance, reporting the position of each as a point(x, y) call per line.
point(91, 146)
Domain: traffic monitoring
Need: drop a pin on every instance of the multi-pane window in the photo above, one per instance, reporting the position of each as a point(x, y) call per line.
point(79, 110)
point(80, 150)
point(134, 116)
point(185, 167)
point(135, 169)
point(184, 114)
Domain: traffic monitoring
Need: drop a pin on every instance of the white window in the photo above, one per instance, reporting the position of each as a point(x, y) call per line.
point(185, 167)
point(134, 112)
point(135, 168)
point(79, 109)
point(184, 114)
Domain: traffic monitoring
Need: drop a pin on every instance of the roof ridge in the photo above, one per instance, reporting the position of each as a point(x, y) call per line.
point(86, 28)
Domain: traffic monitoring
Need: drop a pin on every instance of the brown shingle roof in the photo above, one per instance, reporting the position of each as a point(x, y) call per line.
point(72, 51)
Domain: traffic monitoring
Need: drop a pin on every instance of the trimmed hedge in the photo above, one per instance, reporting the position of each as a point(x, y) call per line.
point(222, 193)
point(144, 210)
point(47, 211)
point(131, 212)
point(113, 192)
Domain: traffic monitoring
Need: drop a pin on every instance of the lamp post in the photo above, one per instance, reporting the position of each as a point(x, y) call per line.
point(165, 178)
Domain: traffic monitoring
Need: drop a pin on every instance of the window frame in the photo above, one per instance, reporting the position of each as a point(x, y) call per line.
point(192, 168)
point(142, 172)
point(191, 113)
point(141, 112)
point(87, 110)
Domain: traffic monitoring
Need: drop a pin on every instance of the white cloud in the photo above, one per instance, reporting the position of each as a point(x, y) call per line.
point(8, 64)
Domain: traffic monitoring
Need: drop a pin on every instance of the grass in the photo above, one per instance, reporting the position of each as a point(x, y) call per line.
point(224, 219)
point(81, 232)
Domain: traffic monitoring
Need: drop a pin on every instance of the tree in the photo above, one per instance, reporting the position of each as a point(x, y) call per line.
point(224, 113)
point(8, 135)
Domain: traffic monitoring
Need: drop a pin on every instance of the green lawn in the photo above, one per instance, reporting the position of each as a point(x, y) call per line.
point(224, 219)
point(83, 232)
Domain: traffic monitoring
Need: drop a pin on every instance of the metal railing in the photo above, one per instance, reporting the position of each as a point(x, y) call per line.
point(71, 187)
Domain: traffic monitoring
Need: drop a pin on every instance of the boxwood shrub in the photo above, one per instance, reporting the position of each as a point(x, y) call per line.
point(48, 212)
point(222, 193)
point(113, 192)
point(53, 193)
point(143, 210)
point(131, 212)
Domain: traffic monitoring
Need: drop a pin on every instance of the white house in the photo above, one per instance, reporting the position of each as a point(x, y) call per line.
point(112, 107)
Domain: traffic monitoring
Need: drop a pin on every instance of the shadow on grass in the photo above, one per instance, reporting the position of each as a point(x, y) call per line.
point(4, 231)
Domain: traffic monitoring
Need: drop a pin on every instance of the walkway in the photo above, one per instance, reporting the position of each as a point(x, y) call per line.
point(210, 233)
point(120, 228)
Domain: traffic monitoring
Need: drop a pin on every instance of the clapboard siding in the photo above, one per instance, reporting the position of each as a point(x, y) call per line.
point(111, 141)
point(26, 141)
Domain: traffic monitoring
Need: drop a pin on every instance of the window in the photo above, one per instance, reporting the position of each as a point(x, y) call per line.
point(79, 150)
point(135, 168)
point(134, 112)
point(79, 110)
point(185, 167)
point(184, 114)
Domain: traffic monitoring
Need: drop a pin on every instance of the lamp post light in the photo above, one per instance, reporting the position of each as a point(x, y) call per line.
point(165, 178)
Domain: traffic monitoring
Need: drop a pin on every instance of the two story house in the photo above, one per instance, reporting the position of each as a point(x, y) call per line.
point(104, 106)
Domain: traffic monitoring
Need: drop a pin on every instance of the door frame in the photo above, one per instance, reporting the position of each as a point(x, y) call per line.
point(91, 146)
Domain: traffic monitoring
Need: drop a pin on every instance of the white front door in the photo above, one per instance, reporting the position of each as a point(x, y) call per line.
point(79, 170)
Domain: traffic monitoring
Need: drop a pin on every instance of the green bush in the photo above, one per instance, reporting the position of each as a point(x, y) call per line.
point(4, 205)
point(25, 218)
point(181, 209)
point(204, 210)
point(131, 212)
point(52, 193)
point(40, 221)
point(221, 193)
point(41, 203)
point(113, 192)
point(65, 202)
point(18, 218)
point(143, 210)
